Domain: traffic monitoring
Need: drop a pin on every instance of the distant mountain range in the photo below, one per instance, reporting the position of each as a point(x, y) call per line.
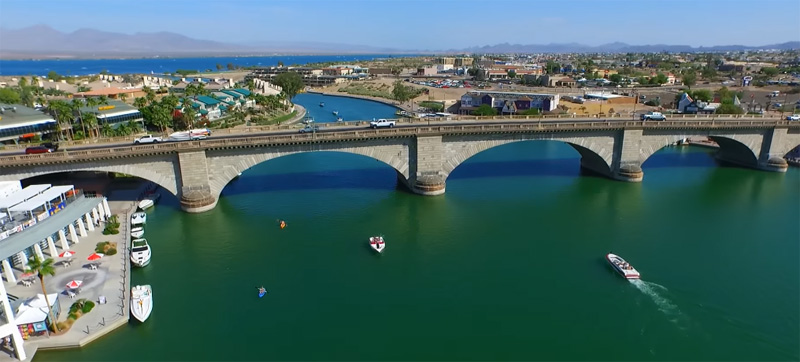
point(619, 48)
point(44, 41)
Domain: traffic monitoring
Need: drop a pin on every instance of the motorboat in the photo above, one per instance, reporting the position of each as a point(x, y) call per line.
point(138, 218)
point(339, 119)
point(140, 252)
point(149, 201)
point(322, 104)
point(335, 113)
point(377, 243)
point(141, 302)
point(137, 232)
point(622, 266)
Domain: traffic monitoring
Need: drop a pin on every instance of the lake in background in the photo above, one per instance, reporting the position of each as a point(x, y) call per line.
point(161, 65)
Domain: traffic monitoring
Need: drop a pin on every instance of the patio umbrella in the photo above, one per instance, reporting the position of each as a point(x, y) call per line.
point(27, 274)
point(66, 254)
point(95, 256)
point(74, 284)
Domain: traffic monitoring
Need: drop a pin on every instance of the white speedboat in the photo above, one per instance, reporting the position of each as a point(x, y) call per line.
point(622, 266)
point(137, 232)
point(140, 252)
point(141, 302)
point(377, 243)
point(138, 218)
point(149, 201)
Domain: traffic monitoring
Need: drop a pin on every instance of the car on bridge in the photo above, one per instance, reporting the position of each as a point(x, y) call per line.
point(147, 139)
point(46, 147)
point(309, 128)
point(653, 116)
point(381, 123)
point(794, 117)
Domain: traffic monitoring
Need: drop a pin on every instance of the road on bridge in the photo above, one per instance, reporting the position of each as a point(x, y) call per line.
point(336, 128)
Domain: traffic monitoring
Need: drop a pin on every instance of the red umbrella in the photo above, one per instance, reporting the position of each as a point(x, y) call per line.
point(27, 274)
point(74, 284)
point(66, 254)
point(95, 256)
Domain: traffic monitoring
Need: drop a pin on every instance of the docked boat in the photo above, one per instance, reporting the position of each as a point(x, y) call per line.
point(377, 243)
point(149, 201)
point(339, 119)
point(141, 302)
point(140, 252)
point(138, 218)
point(137, 232)
point(622, 266)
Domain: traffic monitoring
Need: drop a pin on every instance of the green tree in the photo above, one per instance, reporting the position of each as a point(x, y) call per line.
point(689, 79)
point(552, 67)
point(401, 92)
point(485, 110)
point(708, 72)
point(702, 95)
point(219, 66)
point(616, 78)
point(43, 268)
point(291, 82)
point(9, 96)
point(280, 63)
point(140, 102)
point(231, 66)
point(729, 108)
point(512, 74)
point(769, 71)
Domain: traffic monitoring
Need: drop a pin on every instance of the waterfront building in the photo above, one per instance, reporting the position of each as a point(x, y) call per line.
point(23, 122)
point(34, 218)
point(210, 106)
point(114, 113)
point(508, 102)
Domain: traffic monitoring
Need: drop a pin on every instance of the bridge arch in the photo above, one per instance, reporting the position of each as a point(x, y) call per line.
point(596, 150)
point(742, 149)
point(160, 170)
point(226, 164)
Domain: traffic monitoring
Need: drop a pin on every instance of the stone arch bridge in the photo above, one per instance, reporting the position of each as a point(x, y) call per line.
point(423, 156)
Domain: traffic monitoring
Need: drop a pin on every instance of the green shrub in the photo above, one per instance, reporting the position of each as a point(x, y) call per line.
point(87, 307)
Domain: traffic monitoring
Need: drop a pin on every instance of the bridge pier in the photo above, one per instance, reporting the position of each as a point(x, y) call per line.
point(195, 191)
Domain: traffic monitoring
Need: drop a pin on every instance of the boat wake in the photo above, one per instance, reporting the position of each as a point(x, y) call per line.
point(666, 306)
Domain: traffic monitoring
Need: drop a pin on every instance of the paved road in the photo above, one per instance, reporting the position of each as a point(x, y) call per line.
point(336, 128)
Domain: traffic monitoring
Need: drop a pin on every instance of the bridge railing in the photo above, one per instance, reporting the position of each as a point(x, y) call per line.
point(436, 129)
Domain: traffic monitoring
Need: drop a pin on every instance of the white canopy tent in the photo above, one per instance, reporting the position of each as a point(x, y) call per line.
point(22, 196)
point(34, 310)
point(42, 199)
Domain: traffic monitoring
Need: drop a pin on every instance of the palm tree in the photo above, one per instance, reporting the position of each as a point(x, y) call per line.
point(76, 105)
point(140, 102)
point(42, 268)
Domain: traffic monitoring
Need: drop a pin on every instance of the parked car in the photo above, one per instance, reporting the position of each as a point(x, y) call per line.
point(43, 148)
point(794, 117)
point(309, 128)
point(382, 123)
point(653, 116)
point(147, 139)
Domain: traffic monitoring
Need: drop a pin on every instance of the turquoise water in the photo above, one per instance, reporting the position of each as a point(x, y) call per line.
point(350, 109)
point(508, 265)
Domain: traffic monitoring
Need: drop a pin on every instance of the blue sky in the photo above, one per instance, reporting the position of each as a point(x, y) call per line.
point(427, 24)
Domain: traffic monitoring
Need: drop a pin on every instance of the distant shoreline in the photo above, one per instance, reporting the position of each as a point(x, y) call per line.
point(22, 56)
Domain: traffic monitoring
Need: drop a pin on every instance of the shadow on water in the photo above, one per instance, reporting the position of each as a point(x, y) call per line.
point(686, 157)
point(367, 178)
point(539, 167)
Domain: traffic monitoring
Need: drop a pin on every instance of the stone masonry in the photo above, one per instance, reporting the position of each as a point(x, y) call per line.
point(423, 163)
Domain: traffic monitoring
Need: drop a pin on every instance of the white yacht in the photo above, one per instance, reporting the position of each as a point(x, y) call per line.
point(140, 252)
point(149, 201)
point(377, 243)
point(141, 302)
point(138, 218)
point(137, 232)
point(622, 266)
